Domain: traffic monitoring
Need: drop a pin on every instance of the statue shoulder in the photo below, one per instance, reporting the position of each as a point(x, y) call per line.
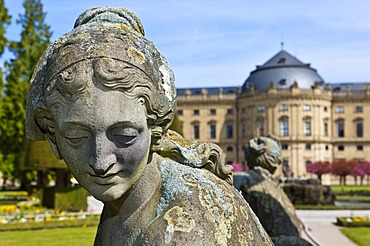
point(198, 208)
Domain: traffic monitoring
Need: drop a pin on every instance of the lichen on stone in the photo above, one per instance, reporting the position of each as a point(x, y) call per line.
point(136, 55)
point(180, 219)
point(173, 184)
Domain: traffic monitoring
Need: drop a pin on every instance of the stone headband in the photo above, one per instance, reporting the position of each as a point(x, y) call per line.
point(100, 45)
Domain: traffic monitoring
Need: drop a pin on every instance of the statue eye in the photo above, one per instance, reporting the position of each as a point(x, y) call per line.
point(75, 141)
point(76, 137)
point(125, 136)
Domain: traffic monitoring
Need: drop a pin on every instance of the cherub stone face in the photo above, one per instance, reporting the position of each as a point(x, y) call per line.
point(104, 139)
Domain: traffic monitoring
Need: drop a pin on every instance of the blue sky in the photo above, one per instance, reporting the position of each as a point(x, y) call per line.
point(218, 43)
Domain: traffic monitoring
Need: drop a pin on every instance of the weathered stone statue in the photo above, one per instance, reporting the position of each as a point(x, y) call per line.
point(104, 97)
point(262, 191)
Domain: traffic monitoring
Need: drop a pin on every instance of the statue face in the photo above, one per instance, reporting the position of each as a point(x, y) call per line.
point(264, 152)
point(104, 138)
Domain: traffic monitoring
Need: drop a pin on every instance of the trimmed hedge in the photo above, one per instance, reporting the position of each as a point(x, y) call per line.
point(65, 198)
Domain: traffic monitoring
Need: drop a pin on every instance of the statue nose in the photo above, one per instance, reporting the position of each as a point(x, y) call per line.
point(104, 158)
point(102, 164)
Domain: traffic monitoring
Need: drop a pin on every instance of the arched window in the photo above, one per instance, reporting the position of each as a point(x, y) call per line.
point(359, 127)
point(229, 131)
point(212, 129)
point(340, 127)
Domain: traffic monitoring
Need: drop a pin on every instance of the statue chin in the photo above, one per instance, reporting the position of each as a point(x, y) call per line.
point(108, 194)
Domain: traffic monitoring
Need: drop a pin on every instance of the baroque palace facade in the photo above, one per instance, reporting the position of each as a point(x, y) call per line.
point(314, 120)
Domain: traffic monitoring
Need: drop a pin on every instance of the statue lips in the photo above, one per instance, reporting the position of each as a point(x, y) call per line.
point(104, 179)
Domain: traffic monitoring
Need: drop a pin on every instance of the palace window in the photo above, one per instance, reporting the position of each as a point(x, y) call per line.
point(212, 111)
point(358, 109)
point(308, 146)
point(359, 147)
point(340, 147)
point(306, 107)
point(339, 109)
point(261, 108)
point(359, 129)
point(307, 127)
point(196, 130)
point(196, 111)
point(281, 60)
point(283, 107)
point(284, 126)
point(340, 129)
point(230, 111)
point(229, 148)
point(180, 112)
point(212, 130)
point(229, 131)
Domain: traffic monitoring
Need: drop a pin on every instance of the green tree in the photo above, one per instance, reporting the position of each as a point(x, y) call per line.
point(4, 23)
point(5, 167)
point(35, 37)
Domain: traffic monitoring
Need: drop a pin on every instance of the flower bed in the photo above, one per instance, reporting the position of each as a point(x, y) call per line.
point(27, 215)
point(32, 203)
point(46, 219)
point(17, 226)
point(12, 197)
point(354, 221)
point(18, 195)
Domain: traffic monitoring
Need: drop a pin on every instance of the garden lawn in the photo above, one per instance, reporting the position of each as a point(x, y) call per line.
point(68, 236)
point(359, 235)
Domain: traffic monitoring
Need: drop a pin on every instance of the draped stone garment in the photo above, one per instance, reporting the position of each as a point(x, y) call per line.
point(188, 206)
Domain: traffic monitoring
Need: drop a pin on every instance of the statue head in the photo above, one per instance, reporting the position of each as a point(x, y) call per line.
point(264, 152)
point(103, 96)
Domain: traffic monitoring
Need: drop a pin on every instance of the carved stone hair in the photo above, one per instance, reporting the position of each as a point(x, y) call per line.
point(264, 152)
point(109, 43)
point(105, 37)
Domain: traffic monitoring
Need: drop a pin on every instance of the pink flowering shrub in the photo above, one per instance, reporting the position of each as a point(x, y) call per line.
point(238, 167)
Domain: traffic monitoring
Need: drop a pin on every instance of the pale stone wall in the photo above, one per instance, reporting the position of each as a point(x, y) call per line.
point(270, 107)
point(351, 143)
point(224, 113)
